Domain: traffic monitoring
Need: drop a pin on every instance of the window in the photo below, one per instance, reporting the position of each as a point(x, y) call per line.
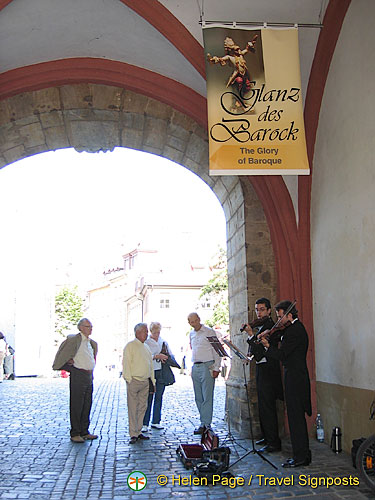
point(206, 303)
point(164, 303)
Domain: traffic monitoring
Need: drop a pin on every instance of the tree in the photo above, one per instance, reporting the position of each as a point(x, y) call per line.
point(68, 311)
point(216, 290)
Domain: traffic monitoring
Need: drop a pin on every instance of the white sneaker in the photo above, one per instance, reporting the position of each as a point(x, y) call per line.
point(144, 428)
point(157, 426)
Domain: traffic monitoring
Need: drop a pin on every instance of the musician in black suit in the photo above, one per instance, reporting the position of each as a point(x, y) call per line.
point(268, 379)
point(292, 353)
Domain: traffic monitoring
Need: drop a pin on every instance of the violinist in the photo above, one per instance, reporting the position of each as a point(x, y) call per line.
point(292, 353)
point(268, 378)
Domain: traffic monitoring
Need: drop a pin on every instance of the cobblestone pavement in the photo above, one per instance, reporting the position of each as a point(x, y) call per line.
point(38, 460)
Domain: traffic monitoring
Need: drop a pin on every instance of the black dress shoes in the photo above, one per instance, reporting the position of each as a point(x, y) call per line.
point(133, 440)
point(270, 449)
point(291, 463)
point(261, 441)
point(199, 430)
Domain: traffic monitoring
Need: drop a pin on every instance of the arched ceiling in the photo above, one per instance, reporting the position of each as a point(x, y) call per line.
point(163, 37)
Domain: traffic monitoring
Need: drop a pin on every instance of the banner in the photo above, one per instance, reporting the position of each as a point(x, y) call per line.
point(255, 111)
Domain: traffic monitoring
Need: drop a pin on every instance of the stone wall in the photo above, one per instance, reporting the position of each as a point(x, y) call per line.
point(94, 118)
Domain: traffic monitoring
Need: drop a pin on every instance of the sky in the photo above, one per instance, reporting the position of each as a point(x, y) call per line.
point(80, 212)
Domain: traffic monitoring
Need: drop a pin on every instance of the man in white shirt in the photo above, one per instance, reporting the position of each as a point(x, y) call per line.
point(206, 367)
point(77, 355)
point(137, 372)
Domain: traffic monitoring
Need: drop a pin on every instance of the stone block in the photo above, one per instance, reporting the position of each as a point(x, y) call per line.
point(235, 223)
point(176, 143)
point(51, 119)
point(78, 114)
point(236, 197)
point(76, 96)
point(219, 189)
point(27, 120)
point(239, 282)
point(106, 97)
point(42, 148)
point(106, 115)
point(132, 120)
point(56, 138)
point(196, 149)
point(173, 154)
point(4, 112)
point(178, 132)
point(14, 154)
point(229, 181)
point(157, 109)
point(32, 135)
point(238, 240)
point(155, 132)
point(9, 137)
point(150, 149)
point(184, 121)
point(46, 100)
point(133, 102)
point(94, 136)
point(131, 138)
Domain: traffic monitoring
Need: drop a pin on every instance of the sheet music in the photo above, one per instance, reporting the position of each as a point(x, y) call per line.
point(236, 350)
point(215, 342)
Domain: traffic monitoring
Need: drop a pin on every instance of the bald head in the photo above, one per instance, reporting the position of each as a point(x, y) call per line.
point(194, 321)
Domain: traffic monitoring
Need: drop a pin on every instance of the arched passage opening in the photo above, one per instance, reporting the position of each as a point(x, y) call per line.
point(92, 118)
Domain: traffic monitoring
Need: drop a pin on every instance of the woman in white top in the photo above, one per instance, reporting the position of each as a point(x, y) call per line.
point(155, 344)
point(3, 348)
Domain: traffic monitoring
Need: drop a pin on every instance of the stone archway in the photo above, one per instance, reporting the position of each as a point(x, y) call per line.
point(92, 118)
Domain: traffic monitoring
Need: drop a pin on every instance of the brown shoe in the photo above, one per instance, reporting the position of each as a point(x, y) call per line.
point(142, 436)
point(133, 440)
point(77, 439)
point(89, 437)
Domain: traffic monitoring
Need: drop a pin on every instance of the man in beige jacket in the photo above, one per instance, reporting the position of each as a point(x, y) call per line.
point(137, 371)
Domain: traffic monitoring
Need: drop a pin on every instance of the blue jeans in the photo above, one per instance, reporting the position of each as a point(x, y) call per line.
point(203, 383)
point(158, 400)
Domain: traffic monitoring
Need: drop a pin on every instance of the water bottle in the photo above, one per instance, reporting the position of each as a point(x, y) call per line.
point(319, 428)
point(336, 440)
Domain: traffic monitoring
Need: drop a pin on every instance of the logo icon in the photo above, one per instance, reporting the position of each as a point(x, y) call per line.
point(137, 480)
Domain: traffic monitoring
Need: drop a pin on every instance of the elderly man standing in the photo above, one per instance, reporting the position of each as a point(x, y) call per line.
point(206, 367)
point(77, 355)
point(137, 371)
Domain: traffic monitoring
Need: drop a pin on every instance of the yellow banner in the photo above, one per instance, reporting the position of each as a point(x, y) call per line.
point(255, 112)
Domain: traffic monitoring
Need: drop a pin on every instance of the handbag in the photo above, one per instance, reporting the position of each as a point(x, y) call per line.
point(171, 361)
point(167, 377)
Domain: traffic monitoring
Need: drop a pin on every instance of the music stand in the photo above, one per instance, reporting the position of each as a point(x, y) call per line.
point(246, 358)
point(216, 344)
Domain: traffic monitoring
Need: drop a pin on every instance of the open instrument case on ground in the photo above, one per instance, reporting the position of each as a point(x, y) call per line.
point(208, 449)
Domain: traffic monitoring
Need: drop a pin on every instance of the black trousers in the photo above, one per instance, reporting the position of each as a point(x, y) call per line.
point(267, 396)
point(80, 401)
point(297, 425)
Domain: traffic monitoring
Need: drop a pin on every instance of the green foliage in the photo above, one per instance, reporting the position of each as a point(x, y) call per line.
point(217, 290)
point(68, 310)
point(216, 285)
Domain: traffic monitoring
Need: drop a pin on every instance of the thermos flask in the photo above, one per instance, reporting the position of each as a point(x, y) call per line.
point(336, 440)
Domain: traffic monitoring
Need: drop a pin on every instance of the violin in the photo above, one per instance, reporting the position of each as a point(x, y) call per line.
point(255, 323)
point(270, 334)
